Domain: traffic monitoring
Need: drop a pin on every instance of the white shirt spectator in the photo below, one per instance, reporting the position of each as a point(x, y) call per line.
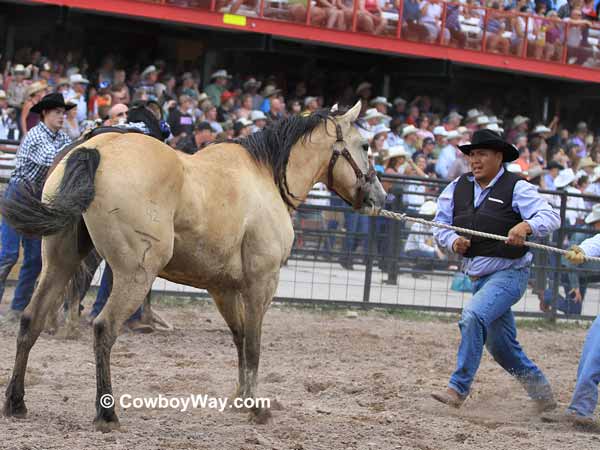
point(418, 241)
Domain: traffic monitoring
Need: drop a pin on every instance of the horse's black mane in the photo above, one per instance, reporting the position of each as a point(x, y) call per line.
point(272, 145)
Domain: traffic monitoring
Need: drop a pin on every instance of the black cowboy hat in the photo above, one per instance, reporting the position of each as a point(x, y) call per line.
point(490, 140)
point(52, 101)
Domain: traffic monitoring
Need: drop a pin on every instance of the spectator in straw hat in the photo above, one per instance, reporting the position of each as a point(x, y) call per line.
point(34, 94)
point(584, 401)
point(506, 205)
point(34, 158)
point(17, 88)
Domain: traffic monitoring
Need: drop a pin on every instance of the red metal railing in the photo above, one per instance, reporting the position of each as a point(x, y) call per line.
point(571, 53)
point(365, 14)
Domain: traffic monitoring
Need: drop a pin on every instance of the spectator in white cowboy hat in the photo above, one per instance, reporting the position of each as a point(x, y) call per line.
point(381, 104)
point(379, 143)
point(17, 87)
point(311, 104)
point(541, 130)
point(399, 109)
point(453, 121)
point(410, 137)
point(394, 160)
point(482, 122)
point(242, 127)
point(465, 135)
point(149, 77)
point(440, 134)
point(520, 125)
point(495, 127)
point(565, 181)
point(586, 166)
point(448, 155)
point(471, 119)
point(218, 85)
point(371, 118)
point(259, 120)
point(420, 242)
point(77, 96)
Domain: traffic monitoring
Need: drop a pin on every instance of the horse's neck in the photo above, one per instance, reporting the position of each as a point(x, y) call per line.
point(306, 166)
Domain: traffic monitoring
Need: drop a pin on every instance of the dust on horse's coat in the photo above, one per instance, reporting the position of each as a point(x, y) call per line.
point(218, 220)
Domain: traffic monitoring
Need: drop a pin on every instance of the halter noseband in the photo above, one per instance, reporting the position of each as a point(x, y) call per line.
point(362, 179)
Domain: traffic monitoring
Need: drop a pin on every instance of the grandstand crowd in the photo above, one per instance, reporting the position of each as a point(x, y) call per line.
point(415, 135)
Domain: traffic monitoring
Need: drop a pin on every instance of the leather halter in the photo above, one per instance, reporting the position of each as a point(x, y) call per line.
point(362, 179)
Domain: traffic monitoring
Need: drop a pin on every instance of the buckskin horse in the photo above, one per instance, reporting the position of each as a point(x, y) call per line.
point(219, 220)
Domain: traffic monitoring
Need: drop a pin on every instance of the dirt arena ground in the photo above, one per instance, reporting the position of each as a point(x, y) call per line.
point(339, 383)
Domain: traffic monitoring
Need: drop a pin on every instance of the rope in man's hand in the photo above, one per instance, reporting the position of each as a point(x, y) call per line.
point(575, 254)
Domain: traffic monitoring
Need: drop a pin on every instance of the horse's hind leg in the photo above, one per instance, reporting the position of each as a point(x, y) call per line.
point(60, 260)
point(133, 275)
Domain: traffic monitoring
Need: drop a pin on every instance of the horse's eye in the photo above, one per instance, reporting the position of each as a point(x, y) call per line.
point(365, 148)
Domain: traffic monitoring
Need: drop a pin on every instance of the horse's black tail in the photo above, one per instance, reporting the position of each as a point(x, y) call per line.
point(27, 214)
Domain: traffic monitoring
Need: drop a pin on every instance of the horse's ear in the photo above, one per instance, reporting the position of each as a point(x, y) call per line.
point(352, 114)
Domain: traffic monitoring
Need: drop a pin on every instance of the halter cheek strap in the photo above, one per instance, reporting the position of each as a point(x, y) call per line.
point(362, 179)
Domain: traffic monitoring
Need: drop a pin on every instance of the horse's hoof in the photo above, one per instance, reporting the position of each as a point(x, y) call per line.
point(14, 409)
point(106, 426)
point(261, 416)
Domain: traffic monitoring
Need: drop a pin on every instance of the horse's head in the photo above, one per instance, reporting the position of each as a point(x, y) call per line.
point(349, 172)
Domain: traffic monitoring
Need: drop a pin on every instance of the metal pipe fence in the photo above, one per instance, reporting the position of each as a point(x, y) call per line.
point(345, 259)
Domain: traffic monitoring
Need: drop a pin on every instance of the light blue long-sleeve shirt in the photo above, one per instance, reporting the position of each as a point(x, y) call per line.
point(526, 201)
point(445, 160)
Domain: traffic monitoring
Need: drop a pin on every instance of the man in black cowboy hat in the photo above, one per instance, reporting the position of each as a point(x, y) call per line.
point(34, 157)
point(491, 199)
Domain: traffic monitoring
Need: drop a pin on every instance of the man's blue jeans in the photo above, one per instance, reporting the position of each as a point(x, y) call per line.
point(9, 254)
point(104, 292)
point(488, 320)
point(585, 397)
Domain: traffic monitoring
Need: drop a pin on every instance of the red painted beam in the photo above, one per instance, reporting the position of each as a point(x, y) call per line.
point(194, 16)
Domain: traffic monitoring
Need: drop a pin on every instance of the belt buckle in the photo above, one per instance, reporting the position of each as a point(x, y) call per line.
point(474, 277)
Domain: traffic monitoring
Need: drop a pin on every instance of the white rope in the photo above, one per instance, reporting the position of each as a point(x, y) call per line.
point(497, 237)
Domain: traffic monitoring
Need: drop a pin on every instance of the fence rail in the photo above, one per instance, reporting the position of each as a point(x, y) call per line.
point(342, 258)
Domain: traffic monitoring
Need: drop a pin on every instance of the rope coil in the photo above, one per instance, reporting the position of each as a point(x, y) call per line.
point(497, 237)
